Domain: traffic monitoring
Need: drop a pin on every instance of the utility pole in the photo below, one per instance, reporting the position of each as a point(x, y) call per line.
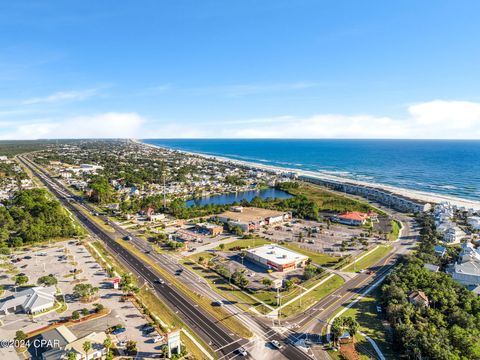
point(164, 192)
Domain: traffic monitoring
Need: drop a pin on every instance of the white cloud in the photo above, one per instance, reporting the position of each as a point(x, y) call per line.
point(62, 96)
point(107, 125)
point(439, 119)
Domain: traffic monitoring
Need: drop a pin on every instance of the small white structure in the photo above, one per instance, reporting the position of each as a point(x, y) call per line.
point(276, 257)
point(31, 301)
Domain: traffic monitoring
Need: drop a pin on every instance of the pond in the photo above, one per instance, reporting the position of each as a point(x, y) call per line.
point(231, 198)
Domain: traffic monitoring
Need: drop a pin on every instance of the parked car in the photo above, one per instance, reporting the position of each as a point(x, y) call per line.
point(218, 303)
point(158, 338)
point(148, 329)
point(118, 331)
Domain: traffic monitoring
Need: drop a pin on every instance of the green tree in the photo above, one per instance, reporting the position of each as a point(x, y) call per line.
point(47, 280)
point(85, 291)
point(288, 284)
point(131, 347)
point(107, 343)
point(128, 283)
point(20, 335)
point(267, 281)
point(102, 192)
point(87, 346)
point(21, 280)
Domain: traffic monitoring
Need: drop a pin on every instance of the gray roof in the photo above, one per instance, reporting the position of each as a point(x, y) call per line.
point(469, 267)
point(431, 267)
point(30, 298)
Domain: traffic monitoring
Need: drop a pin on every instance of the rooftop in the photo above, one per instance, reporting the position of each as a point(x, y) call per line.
point(277, 254)
point(354, 215)
point(30, 298)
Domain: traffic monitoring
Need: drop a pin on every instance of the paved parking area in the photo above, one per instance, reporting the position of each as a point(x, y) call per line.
point(317, 236)
point(48, 260)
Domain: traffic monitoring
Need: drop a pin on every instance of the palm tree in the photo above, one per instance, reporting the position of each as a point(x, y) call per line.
point(107, 343)
point(87, 346)
point(72, 355)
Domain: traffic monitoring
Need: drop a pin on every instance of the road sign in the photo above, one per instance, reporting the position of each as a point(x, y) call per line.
point(173, 342)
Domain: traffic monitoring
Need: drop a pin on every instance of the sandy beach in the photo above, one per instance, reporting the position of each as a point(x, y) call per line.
point(412, 194)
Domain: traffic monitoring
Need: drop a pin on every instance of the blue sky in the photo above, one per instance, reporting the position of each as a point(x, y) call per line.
point(355, 69)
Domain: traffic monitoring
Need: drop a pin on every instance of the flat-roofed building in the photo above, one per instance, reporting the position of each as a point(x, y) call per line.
point(250, 218)
point(210, 229)
point(277, 257)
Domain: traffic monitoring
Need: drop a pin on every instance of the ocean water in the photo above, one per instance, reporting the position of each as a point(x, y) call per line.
point(439, 166)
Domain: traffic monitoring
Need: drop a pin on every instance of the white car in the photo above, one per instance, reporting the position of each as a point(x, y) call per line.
point(158, 338)
point(242, 352)
point(218, 303)
point(122, 343)
point(276, 344)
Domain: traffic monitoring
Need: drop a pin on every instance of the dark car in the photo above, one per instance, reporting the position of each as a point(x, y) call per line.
point(148, 329)
point(118, 331)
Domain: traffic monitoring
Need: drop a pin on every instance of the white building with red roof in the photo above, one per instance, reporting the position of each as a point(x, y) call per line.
point(355, 218)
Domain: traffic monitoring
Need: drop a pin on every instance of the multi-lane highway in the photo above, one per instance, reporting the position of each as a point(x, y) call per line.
point(207, 328)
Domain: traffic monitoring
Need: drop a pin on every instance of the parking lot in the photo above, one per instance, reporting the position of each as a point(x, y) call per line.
point(59, 260)
point(320, 237)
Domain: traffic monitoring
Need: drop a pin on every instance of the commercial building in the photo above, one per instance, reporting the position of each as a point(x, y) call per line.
point(30, 301)
point(250, 218)
point(276, 257)
point(61, 341)
point(208, 228)
point(355, 218)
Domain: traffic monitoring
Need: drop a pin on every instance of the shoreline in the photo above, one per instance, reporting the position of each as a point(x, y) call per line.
point(408, 193)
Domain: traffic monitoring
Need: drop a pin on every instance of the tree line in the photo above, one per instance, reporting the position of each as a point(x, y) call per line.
point(449, 327)
point(33, 216)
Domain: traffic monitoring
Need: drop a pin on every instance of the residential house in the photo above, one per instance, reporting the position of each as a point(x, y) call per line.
point(440, 250)
point(467, 269)
point(418, 298)
point(474, 222)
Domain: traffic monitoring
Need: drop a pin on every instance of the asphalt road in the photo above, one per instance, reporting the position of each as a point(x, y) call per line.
point(207, 328)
